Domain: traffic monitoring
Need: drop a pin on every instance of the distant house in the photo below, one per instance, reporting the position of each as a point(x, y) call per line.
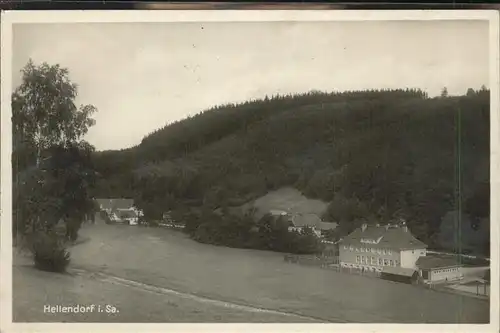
point(375, 248)
point(127, 215)
point(300, 221)
point(109, 205)
point(439, 269)
point(120, 209)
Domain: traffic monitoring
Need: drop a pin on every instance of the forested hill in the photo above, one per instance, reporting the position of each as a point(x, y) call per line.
point(375, 155)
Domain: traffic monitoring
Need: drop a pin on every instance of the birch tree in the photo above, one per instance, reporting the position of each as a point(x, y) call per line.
point(44, 116)
point(44, 110)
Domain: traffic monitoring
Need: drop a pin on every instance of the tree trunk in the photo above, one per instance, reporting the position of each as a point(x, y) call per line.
point(38, 157)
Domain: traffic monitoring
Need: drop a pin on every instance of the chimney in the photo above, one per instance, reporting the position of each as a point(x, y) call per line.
point(364, 226)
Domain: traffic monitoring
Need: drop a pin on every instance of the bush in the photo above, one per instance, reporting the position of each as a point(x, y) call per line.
point(49, 252)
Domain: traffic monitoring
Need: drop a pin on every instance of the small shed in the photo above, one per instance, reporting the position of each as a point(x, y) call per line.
point(399, 274)
point(439, 268)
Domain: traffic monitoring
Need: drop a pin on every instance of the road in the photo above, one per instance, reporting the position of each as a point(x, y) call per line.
point(157, 275)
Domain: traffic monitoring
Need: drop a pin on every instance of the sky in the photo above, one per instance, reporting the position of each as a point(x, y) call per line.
point(141, 76)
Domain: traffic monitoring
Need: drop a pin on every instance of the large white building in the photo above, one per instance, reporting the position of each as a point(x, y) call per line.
point(393, 250)
point(377, 247)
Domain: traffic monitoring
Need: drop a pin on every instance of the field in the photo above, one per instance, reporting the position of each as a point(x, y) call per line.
point(158, 275)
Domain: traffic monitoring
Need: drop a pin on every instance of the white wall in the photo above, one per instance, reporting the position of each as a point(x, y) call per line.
point(316, 231)
point(451, 274)
point(409, 257)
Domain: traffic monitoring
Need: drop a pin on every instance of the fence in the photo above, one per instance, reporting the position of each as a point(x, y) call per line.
point(311, 260)
point(326, 262)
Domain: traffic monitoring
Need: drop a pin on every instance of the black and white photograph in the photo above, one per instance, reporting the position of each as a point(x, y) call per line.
point(250, 167)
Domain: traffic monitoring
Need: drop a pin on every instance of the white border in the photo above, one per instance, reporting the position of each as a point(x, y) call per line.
point(9, 18)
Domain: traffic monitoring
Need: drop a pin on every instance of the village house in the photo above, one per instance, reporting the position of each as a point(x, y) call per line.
point(300, 221)
point(389, 248)
point(120, 210)
point(439, 269)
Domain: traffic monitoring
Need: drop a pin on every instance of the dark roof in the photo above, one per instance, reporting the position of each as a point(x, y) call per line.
point(393, 237)
point(431, 262)
point(305, 220)
point(126, 213)
point(115, 203)
point(399, 271)
point(311, 220)
point(327, 225)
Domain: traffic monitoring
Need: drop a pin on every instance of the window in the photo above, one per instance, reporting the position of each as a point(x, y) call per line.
point(374, 261)
point(390, 262)
point(379, 251)
point(357, 259)
point(383, 251)
point(389, 252)
point(380, 262)
point(386, 262)
point(373, 250)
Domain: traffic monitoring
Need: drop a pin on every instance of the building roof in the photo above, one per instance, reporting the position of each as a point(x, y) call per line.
point(311, 220)
point(393, 237)
point(327, 225)
point(115, 203)
point(399, 271)
point(305, 220)
point(434, 262)
point(126, 213)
